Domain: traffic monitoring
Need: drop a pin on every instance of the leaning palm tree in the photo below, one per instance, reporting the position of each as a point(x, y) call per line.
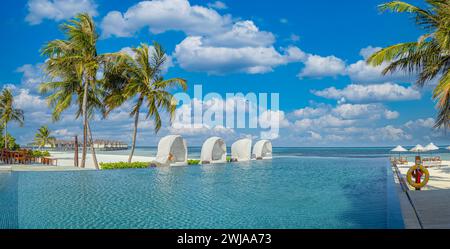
point(138, 78)
point(9, 113)
point(61, 98)
point(43, 137)
point(429, 56)
point(73, 63)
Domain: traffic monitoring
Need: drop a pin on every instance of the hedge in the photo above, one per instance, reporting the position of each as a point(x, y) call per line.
point(124, 165)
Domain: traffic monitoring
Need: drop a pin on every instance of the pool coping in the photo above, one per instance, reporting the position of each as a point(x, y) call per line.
point(411, 218)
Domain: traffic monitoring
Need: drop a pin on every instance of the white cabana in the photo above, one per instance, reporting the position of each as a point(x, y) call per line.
point(172, 151)
point(214, 150)
point(431, 147)
point(418, 148)
point(262, 150)
point(241, 150)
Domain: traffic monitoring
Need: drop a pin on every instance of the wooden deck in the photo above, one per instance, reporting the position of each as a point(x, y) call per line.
point(427, 209)
point(432, 207)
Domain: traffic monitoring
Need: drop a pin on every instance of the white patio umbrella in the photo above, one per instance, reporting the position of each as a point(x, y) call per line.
point(399, 149)
point(418, 148)
point(431, 147)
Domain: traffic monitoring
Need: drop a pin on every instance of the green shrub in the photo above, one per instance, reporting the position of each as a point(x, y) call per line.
point(124, 165)
point(193, 162)
point(37, 153)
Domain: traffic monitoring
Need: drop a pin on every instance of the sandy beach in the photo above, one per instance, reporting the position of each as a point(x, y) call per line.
point(65, 159)
point(439, 176)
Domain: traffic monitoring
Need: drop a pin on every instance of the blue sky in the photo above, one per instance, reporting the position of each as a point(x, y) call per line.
point(310, 52)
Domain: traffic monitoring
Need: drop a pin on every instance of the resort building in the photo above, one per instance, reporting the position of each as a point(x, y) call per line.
point(102, 145)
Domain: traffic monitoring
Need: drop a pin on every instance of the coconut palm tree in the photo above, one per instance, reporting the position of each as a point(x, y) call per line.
point(73, 64)
point(43, 137)
point(138, 78)
point(429, 56)
point(9, 113)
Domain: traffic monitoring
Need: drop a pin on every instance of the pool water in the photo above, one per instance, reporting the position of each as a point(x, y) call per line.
point(286, 192)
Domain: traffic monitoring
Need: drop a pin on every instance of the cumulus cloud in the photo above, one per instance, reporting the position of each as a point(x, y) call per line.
point(218, 5)
point(362, 73)
point(57, 10)
point(271, 118)
point(420, 123)
point(367, 93)
point(368, 51)
point(32, 75)
point(318, 66)
point(193, 55)
point(242, 34)
point(164, 15)
point(28, 102)
point(390, 133)
point(359, 72)
point(215, 43)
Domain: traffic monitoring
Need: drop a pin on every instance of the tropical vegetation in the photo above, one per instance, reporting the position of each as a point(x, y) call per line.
point(8, 113)
point(124, 165)
point(39, 153)
point(193, 162)
point(429, 56)
point(72, 66)
point(11, 141)
point(138, 78)
point(43, 137)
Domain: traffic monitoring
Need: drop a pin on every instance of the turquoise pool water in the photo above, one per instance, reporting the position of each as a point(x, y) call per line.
point(290, 191)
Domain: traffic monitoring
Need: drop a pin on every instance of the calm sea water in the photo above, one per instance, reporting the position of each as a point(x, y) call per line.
point(299, 188)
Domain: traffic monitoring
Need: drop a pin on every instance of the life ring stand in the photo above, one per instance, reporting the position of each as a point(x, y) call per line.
point(413, 171)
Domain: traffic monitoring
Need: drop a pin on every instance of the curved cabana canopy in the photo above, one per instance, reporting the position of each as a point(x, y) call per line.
point(214, 150)
point(172, 151)
point(262, 150)
point(241, 150)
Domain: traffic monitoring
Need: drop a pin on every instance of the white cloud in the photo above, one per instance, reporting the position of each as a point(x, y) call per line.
point(366, 93)
point(215, 43)
point(242, 34)
point(364, 111)
point(317, 66)
point(362, 73)
point(420, 123)
point(359, 72)
point(218, 5)
point(193, 55)
point(57, 10)
point(164, 15)
point(323, 122)
point(389, 133)
point(368, 51)
point(32, 75)
point(28, 102)
point(270, 118)
point(294, 38)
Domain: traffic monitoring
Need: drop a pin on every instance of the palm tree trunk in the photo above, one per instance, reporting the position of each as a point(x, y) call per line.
point(85, 118)
point(133, 146)
point(91, 142)
point(6, 135)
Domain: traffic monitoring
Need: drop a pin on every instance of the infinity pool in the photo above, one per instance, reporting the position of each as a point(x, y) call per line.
point(286, 192)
